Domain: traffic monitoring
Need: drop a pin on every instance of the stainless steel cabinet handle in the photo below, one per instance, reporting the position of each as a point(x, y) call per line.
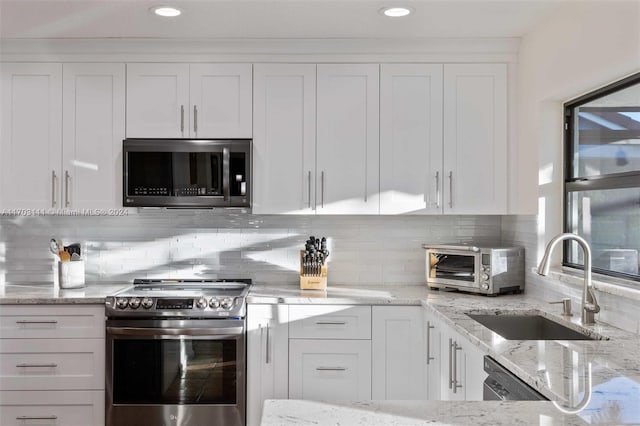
point(438, 190)
point(331, 369)
point(309, 179)
point(322, 189)
point(451, 189)
point(67, 177)
point(268, 346)
point(429, 357)
point(36, 322)
point(181, 118)
point(52, 417)
point(54, 181)
point(331, 323)
point(450, 364)
point(52, 365)
point(195, 119)
point(455, 384)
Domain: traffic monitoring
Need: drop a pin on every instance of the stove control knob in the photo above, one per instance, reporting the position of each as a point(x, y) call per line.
point(147, 303)
point(134, 303)
point(122, 303)
point(202, 303)
point(227, 303)
point(214, 303)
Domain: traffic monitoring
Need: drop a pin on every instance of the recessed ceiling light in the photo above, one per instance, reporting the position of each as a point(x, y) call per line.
point(166, 11)
point(395, 12)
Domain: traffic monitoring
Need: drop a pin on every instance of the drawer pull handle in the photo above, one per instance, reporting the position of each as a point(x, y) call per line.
point(331, 323)
point(52, 365)
point(36, 322)
point(37, 418)
point(331, 368)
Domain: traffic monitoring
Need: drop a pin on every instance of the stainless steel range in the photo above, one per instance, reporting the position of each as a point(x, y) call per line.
point(176, 353)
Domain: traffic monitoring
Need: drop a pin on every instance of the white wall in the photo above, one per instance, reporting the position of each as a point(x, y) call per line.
point(584, 45)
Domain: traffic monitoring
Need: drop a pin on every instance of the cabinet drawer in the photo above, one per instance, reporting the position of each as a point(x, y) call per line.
point(329, 322)
point(52, 321)
point(52, 364)
point(68, 408)
point(330, 369)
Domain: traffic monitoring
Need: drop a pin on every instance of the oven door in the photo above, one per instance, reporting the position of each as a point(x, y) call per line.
point(175, 372)
point(452, 268)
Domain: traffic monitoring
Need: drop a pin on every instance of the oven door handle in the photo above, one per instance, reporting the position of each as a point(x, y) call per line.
point(140, 331)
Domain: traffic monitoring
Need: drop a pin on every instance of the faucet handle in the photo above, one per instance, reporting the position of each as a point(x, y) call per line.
point(566, 306)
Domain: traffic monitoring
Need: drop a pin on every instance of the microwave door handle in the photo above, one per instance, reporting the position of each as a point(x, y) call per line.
point(226, 157)
point(450, 247)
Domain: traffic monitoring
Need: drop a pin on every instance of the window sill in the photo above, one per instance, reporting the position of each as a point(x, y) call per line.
point(602, 283)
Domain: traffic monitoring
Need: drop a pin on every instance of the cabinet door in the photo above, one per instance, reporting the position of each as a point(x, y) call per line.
point(65, 408)
point(158, 100)
point(475, 138)
point(398, 353)
point(31, 135)
point(348, 145)
point(267, 357)
point(284, 138)
point(93, 129)
point(433, 332)
point(220, 100)
point(474, 374)
point(330, 369)
point(410, 139)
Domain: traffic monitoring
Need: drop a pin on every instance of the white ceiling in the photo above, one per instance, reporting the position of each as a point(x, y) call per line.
point(269, 18)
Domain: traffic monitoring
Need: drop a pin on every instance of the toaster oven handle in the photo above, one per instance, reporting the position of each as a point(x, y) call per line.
point(450, 247)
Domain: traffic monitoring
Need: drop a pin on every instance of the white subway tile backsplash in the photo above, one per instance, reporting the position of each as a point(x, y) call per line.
point(228, 243)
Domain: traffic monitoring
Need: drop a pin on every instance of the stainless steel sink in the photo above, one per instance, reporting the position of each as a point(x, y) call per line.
point(530, 326)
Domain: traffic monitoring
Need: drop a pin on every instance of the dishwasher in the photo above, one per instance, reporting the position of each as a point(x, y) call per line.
point(503, 385)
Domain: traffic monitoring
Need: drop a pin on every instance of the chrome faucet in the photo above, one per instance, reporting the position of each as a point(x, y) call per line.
point(590, 305)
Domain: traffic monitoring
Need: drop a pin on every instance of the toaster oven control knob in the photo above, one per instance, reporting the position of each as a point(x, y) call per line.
point(134, 303)
point(122, 303)
point(227, 303)
point(214, 303)
point(485, 277)
point(485, 286)
point(147, 303)
point(202, 303)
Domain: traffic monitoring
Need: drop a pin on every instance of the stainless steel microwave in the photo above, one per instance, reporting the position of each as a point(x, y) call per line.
point(486, 270)
point(195, 173)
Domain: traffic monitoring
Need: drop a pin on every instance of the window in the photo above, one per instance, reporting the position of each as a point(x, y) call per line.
point(602, 178)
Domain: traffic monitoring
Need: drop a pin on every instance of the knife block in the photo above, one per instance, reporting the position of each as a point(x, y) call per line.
point(313, 282)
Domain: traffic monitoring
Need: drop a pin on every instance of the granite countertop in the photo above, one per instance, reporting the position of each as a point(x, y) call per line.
point(49, 294)
point(409, 413)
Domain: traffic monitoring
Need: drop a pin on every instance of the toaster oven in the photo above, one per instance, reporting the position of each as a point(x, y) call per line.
point(489, 270)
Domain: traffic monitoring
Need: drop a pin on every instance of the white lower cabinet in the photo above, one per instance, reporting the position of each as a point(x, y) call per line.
point(66, 408)
point(399, 353)
point(267, 357)
point(330, 369)
point(462, 369)
point(52, 365)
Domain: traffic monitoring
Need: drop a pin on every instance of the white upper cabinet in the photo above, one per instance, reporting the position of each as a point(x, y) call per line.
point(284, 138)
point(62, 135)
point(93, 129)
point(475, 139)
point(220, 97)
point(182, 100)
point(410, 139)
point(158, 100)
point(31, 144)
point(348, 145)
